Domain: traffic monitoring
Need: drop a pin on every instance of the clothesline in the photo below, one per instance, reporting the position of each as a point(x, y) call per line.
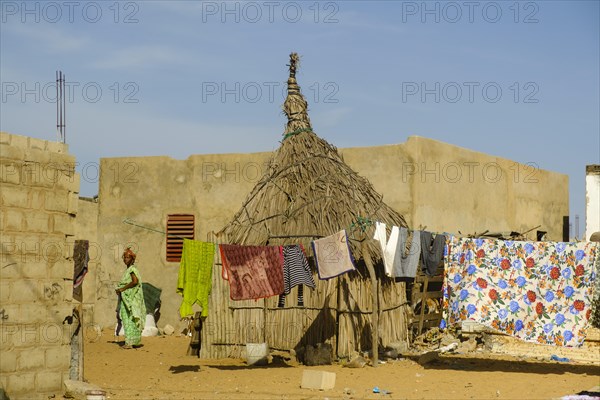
point(361, 223)
point(294, 236)
point(131, 222)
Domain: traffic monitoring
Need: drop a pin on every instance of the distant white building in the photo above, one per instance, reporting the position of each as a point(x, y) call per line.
point(592, 197)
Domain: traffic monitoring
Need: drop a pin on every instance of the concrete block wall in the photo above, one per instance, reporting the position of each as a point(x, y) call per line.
point(38, 206)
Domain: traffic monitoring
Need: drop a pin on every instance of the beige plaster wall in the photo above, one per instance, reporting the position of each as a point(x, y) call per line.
point(436, 185)
point(447, 188)
point(38, 205)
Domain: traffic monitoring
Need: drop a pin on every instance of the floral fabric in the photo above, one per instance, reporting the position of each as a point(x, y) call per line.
point(537, 291)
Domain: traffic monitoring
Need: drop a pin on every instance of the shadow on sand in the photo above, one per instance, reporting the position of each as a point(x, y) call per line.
point(509, 365)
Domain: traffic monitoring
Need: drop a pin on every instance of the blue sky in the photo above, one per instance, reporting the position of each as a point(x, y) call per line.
point(519, 80)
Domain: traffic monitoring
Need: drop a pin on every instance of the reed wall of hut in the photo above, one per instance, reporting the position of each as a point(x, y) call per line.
point(338, 312)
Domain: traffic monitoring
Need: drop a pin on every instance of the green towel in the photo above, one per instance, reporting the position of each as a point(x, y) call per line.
point(195, 276)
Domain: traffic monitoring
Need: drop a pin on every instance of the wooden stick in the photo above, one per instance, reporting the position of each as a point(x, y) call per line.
point(375, 314)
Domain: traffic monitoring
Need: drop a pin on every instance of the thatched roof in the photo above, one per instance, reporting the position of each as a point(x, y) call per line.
point(307, 191)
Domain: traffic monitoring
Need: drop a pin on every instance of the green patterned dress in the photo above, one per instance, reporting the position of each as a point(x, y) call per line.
point(133, 309)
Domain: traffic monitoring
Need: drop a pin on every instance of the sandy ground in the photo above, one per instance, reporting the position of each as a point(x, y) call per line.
point(160, 369)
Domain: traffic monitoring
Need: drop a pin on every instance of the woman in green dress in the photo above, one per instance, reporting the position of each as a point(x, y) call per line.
point(131, 309)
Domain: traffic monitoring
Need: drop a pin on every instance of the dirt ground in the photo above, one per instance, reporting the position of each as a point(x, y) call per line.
point(160, 369)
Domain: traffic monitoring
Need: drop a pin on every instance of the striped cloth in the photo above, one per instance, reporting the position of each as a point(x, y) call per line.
point(295, 269)
point(296, 272)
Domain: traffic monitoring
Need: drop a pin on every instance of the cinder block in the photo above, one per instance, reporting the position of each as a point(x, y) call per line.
point(53, 333)
point(63, 223)
point(37, 155)
point(52, 291)
point(36, 221)
point(10, 171)
point(53, 247)
point(68, 181)
point(20, 384)
point(12, 269)
point(4, 291)
point(57, 147)
point(29, 246)
point(13, 220)
point(48, 381)
point(62, 159)
point(31, 359)
point(69, 246)
point(38, 198)
point(68, 288)
point(11, 314)
point(14, 196)
point(50, 172)
point(34, 269)
point(322, 380)
point(56, 201)
point(72, 203)
point(9, 152)
point(35, 173)
point(8, 361)
point(3, 381)
point(58, 357)
point(19, 141)
point(38, 144)
point(25, 291)
point(61, 270)
point(34, 313)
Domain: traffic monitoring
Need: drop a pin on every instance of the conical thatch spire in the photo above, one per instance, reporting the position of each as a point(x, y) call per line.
point(307, 191)
point(295, 106)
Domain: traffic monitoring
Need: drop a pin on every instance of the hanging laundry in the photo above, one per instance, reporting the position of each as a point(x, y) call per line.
point(253, 272)
point(151, 298)
point(281, 302)
point(388, 247)
point(296, 272)
point(194, 282)
point(81, 258)
point(406, 259)
point(432, 251)
point(332, 255)
point(540, 292)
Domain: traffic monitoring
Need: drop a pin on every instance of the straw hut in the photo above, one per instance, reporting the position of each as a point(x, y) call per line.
point(308, 192)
